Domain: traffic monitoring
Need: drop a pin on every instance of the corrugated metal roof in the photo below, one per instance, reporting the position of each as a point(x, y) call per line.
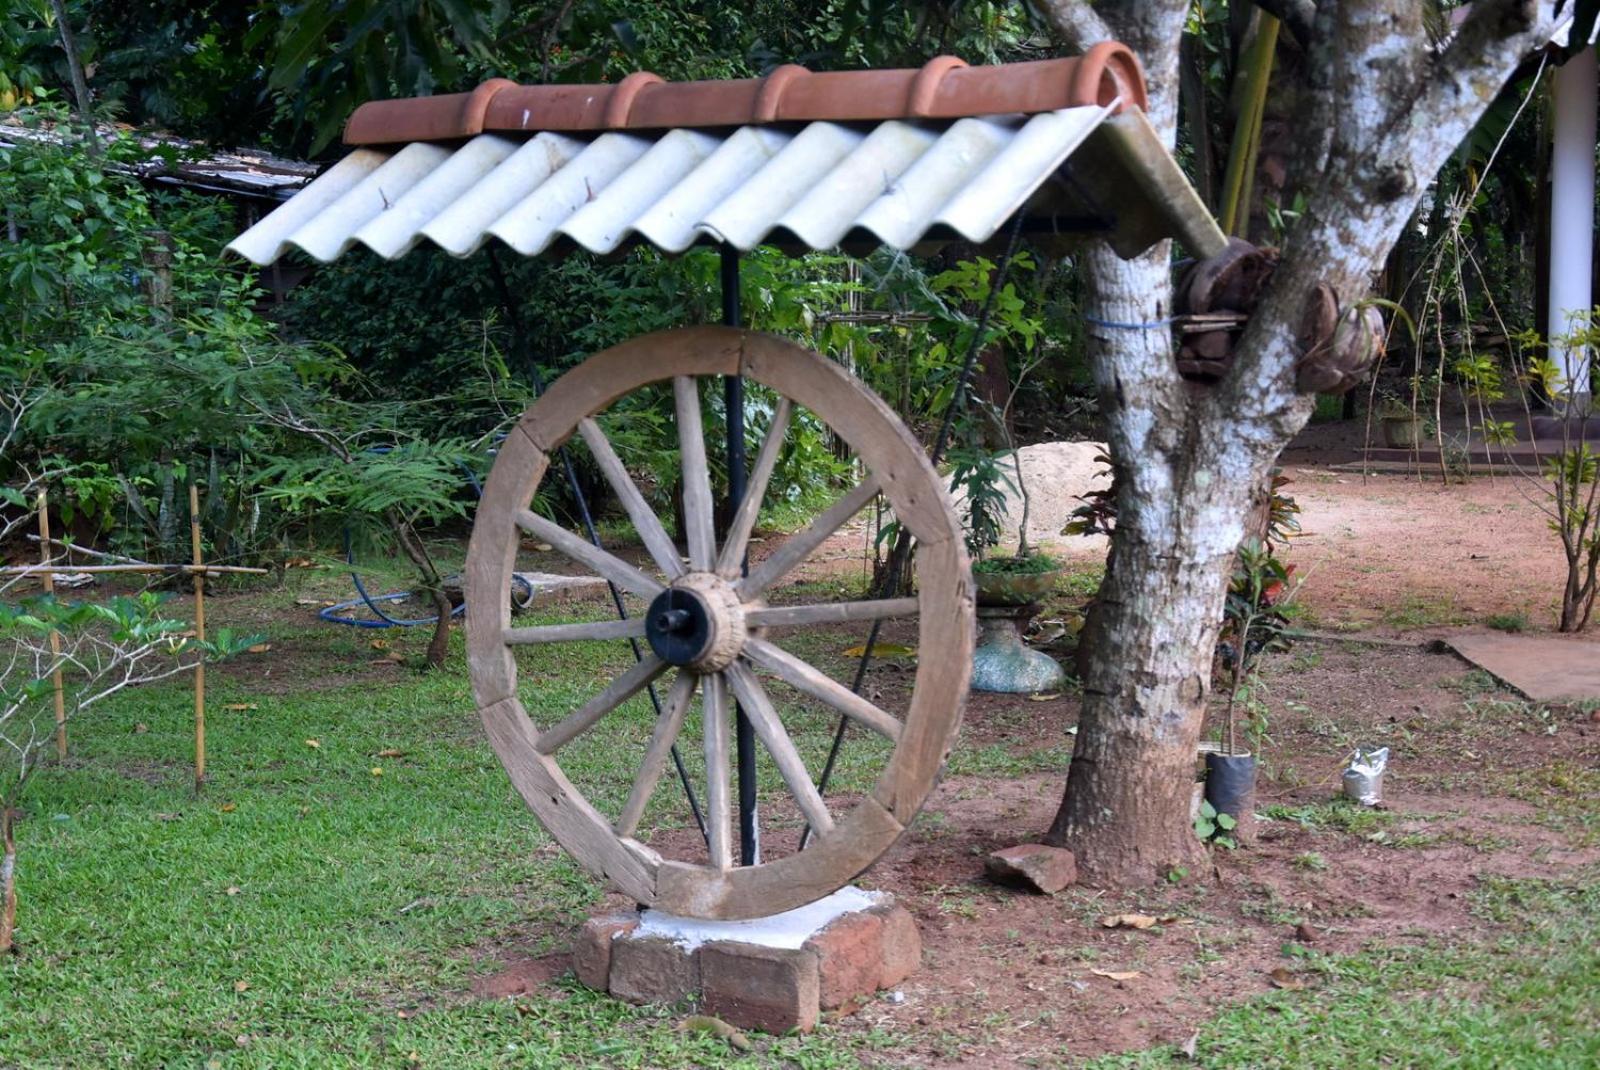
point(816, 185)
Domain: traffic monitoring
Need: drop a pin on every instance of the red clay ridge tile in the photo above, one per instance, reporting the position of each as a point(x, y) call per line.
point(943, 88)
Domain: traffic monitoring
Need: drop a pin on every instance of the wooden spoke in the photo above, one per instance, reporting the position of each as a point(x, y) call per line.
point(753, 698)
point(621, 690)
point(662, 737)
point(606, 564)
point(731, 563)
point(799, 546)
point(697, 507)
point(573, 633)
point(719, 819)
point(645, 521)
point(805, 678)
point(829, 613)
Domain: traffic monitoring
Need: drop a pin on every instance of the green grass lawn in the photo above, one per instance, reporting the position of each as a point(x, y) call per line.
point(359, 856)
point(318, 905)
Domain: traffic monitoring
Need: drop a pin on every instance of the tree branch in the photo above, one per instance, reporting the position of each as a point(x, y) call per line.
point(1077, 23)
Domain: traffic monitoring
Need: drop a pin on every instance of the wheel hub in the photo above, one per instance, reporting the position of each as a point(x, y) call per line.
point(697, 623)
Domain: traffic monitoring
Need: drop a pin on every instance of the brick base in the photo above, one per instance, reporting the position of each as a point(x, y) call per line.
point(749, 985)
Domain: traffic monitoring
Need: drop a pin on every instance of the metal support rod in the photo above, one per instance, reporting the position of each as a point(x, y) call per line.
point(733, 412)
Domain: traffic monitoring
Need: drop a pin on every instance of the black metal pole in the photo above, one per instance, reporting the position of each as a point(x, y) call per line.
point(733, 408)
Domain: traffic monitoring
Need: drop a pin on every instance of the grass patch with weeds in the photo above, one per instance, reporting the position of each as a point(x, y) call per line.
point(1523, 1001)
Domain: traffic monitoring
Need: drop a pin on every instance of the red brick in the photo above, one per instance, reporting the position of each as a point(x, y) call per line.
point(849, 958)
point(767, 988)
point(591, 952)
point(652, 969)
point(902, 944)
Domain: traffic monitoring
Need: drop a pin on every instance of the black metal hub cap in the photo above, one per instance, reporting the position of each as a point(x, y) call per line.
point(678, 626)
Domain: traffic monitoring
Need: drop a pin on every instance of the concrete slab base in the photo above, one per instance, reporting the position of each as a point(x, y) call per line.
point(772, 974)
point(1543, 668)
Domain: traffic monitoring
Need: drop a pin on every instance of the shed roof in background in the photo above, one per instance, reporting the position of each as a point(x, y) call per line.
point(814, 161)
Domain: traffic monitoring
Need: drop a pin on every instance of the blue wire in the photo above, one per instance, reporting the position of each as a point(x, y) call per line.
point(1151, 326)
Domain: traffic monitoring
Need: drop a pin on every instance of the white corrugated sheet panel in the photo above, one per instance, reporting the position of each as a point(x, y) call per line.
point(815, 185)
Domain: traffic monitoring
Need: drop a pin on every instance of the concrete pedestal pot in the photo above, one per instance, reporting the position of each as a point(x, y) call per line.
point(1002, 662)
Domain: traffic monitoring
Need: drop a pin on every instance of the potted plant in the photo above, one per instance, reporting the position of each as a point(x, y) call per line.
point(1254, 623)
point(980, 479)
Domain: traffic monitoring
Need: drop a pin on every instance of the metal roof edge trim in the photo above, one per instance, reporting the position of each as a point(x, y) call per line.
point(1108, 75)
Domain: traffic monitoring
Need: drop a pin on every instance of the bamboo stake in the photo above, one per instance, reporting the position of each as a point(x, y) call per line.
point(49, 584)
point(200, 633)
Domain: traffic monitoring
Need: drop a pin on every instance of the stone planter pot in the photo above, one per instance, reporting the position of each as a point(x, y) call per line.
point(1014, 588)
point(1404, 432)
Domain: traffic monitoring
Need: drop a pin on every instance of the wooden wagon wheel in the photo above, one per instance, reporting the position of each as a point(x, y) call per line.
point(706, 625)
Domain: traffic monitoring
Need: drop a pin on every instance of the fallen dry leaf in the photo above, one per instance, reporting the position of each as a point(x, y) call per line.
point(259, 648)
point(241, 706)
point(1129, 921)
point(140, 729)
point(1117, 975)
point(233, 889)
point(314, 744)
point(241, 986)
point(1190, 1046)
point(380, 644)
point(166, 817)
point(883, 650)
point(1051, 697)
point(229, 808)
point(376, 771)
point(390, 753)
point(1282, 978)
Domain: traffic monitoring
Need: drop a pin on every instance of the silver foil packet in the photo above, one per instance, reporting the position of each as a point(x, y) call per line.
point(1363, 777)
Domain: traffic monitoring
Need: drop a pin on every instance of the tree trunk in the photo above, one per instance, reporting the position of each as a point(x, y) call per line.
point(432, 585)
point(8, 881)
point(80, 85)
point(1382, 110)
point(1181, 499)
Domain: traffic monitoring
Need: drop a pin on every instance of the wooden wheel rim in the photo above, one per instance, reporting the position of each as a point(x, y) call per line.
point(945, 625)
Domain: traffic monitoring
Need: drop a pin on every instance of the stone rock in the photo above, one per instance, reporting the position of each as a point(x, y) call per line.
point(773, 989)
point(1044, 869)
point(591, 952)
point(1055, 475)
point(652, 970)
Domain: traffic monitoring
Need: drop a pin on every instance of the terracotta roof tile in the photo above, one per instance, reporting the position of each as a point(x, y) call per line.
point(943, 88)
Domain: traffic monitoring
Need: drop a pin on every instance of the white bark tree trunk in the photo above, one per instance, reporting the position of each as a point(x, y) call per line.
point(1382, 113)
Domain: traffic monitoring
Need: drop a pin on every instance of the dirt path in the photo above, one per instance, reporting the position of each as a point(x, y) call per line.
point(1399, 554)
